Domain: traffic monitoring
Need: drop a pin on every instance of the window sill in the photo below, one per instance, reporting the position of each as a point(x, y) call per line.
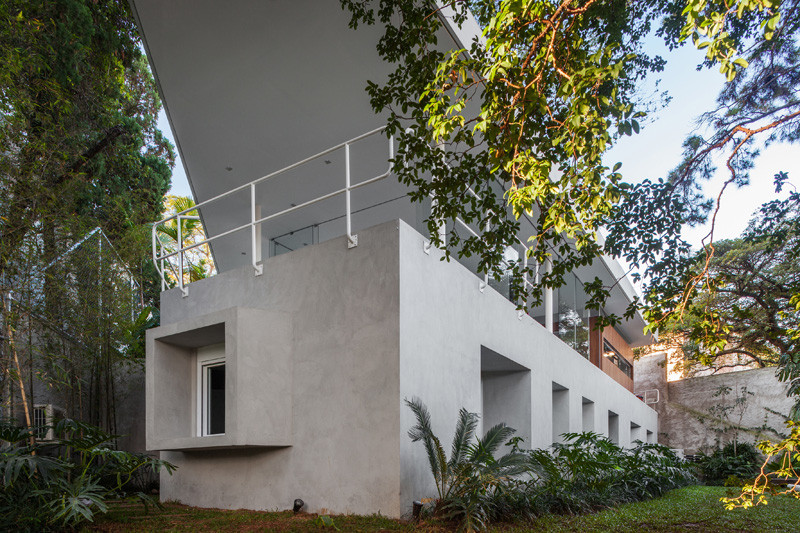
point(212, 442)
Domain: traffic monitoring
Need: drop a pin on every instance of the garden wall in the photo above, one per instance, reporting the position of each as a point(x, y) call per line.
point(696, 414)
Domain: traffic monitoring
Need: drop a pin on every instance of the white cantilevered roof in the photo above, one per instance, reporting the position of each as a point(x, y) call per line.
point(252, 86)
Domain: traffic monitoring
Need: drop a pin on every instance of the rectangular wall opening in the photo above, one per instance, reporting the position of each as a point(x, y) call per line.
point(587, 423)
point(506, 393)
point(650, 438)
point(636, 433)
point(613, 427)
point(560, 412)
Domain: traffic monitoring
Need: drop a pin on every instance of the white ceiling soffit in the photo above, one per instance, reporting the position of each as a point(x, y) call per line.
point(252, 86)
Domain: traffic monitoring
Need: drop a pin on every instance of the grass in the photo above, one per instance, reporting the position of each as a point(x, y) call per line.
point(691, 509)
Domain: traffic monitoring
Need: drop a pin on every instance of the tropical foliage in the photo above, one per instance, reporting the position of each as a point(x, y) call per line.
point(734, 462)
point(84, 168)
point(60, 485)
point(585, 473)
point(198, 262)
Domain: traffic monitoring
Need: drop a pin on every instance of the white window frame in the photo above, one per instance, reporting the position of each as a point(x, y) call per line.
point(48, 420)
point(211, 358)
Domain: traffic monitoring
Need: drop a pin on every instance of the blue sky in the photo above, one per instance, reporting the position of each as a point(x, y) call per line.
point(657, 148)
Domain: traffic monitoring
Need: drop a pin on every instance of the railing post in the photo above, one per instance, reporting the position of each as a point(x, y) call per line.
point(525, 269)
point(352, 240)
point(485, 281)
point(156, 254)
point(521, 312)
point(255, 235)
point(184, 290)
point(548, 299)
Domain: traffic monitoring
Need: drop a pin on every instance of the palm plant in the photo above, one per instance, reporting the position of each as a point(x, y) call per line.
point(198, 263)
point(468, 481)
point(584, 473)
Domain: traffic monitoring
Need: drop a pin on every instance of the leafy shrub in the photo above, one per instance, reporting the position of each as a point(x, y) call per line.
point(739, 460)
point(59, 485)
point(587, 472)
point(470, 479)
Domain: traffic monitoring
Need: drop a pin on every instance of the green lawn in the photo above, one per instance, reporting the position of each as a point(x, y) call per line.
point(695, 509)
point(689, 509)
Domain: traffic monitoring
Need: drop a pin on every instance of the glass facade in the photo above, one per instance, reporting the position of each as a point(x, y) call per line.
point(571, 318)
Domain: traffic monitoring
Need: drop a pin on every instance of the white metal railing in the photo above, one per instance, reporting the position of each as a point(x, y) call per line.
point(650, 396)
point(161, 257)
point(527, 284)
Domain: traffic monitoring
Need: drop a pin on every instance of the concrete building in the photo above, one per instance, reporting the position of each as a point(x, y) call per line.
point(284, 376)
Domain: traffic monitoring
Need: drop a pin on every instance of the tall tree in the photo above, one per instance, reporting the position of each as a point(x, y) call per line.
point(80, 149)
point(78, 131)
point(744, 308)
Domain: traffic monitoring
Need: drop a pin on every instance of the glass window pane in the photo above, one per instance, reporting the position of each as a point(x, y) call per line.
point(216, 399)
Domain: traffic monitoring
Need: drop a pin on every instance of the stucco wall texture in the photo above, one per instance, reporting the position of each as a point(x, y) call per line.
point(372, 326)
point(686, 407)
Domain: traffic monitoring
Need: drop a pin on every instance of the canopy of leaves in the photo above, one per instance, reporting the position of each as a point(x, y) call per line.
point(78, 131)
point(744, 305)
point(507, 137)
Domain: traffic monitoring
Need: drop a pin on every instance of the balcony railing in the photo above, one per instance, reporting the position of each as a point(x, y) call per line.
point(173, 258)
point(162, 255)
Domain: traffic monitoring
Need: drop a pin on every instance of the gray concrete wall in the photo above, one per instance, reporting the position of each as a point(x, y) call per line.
point(445, 320)
point(373, 326)
point(343, 305)
point(685, 406)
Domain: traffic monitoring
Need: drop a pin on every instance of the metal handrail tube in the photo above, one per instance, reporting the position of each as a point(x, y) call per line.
point(277, 172)
point(206, 241)
point(252, 223)
point(371, 180)
point(474, 233)
point(274, 215)
point(300, 206)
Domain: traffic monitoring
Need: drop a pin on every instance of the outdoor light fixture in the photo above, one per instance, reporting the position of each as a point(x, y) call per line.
point(298, 504)
point(417, 509)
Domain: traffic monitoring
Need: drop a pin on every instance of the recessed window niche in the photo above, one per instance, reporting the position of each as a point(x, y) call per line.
point(221, 380)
